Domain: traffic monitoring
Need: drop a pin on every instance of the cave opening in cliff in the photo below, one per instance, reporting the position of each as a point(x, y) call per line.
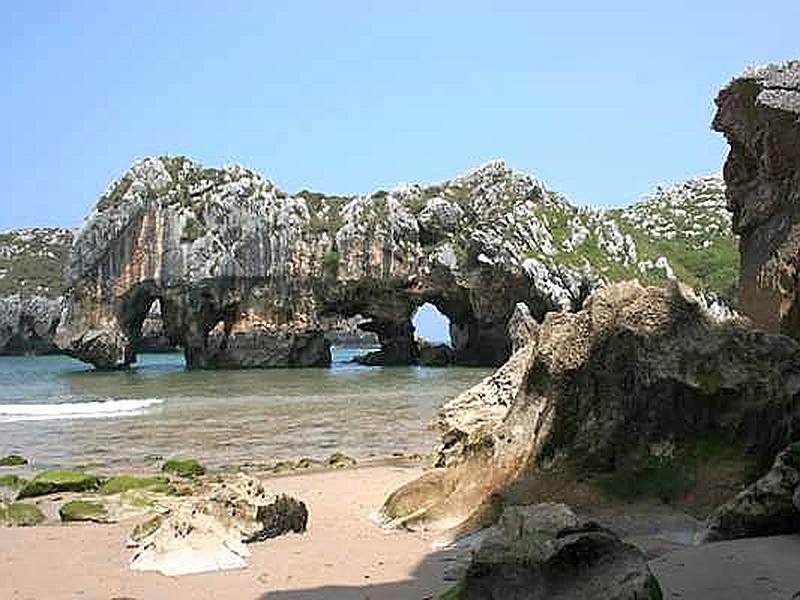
point(432, 325)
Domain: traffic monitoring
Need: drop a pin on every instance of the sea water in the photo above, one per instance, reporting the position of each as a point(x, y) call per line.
point(61, 413)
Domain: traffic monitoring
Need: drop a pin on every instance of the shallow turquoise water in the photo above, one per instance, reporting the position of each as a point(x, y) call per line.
point(60, 413)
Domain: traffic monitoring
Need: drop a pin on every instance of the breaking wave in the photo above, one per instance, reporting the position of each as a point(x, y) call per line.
point(74, 410)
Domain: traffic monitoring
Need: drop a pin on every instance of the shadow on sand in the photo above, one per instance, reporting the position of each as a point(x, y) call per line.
point(438, 572)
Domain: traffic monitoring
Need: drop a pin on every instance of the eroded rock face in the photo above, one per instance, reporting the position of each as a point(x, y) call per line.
point(247, 275)
point(638, 368)
point(28, 324)
point(758, 113)
point(32, 263)
point(771, 506)
point(210, 532)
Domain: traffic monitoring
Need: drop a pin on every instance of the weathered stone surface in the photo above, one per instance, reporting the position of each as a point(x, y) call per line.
point(28, 324)
point(767, 507)
point(636, 370)
point(522, 327)
point(434, 355)
point(209, 532)
point(525, 561)
point(247, 275)
point(758, 113)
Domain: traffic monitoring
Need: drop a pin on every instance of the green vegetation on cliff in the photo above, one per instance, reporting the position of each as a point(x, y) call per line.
point(32, 261)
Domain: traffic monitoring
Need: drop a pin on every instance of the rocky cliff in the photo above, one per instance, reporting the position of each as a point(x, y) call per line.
point(247, 275)
point(758, 113)
point(31, 286)
point(636, 391)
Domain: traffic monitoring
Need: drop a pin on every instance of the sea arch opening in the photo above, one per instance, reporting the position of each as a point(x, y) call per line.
point(146, 325)
point(431, 325)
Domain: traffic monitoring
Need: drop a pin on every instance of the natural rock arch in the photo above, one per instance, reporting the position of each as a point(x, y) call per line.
point(248, 276)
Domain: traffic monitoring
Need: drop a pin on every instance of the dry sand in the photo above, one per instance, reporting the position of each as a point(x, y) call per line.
point(752, 569)
point(343, 555)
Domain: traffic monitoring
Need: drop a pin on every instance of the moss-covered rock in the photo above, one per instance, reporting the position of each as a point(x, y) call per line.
point(339, 460)
point(50, 482)
point(83, 510)
point(12, 481)
point(13, 460)
point(183, 468)
point(124, 483)
point(20, 514)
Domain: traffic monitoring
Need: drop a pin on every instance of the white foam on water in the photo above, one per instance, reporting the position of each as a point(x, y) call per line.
point(75, 410)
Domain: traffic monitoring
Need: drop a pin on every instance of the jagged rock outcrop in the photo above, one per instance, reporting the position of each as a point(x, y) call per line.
point(770, 506)
point(247, 275)
point(639, 376)
point(31, 284)
point(758, 113)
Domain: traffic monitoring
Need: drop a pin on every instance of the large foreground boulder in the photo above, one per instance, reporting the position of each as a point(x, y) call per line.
point(770, 506)
point(643, 379)
point(759, 113)
point(542, 552)
point(209, 532)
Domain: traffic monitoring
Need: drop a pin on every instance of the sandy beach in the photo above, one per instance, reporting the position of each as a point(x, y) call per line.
point(343, 555)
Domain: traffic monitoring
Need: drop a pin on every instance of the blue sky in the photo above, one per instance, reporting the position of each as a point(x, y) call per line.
point(600, 100)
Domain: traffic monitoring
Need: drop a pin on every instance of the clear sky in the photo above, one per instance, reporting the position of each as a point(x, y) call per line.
point(600, 100)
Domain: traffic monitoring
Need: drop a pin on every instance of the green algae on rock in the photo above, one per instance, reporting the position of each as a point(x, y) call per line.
point(12, 481)
point(187, 469)
point(49, 482)
point(83, 510)
point(124, 483)
point(13, 460)
point(20, 514)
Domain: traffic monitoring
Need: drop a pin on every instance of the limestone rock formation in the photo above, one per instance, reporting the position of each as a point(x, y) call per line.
point(434, 355)
point(554, 561)
point(770, 506)
point(247, 275)
point(210, 531)
point(522, 327)
point(637, 371)
point(31, 284)
point(758, 113)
